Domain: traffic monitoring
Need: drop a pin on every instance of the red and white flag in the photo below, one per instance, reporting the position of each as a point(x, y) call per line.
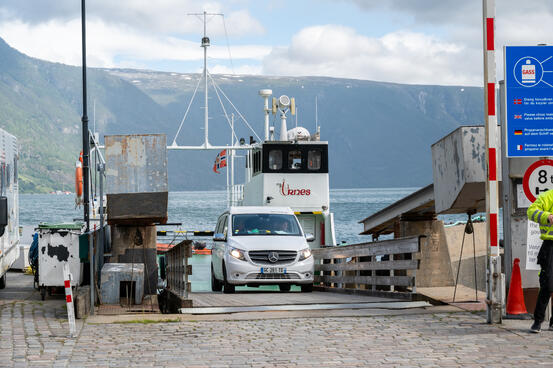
point(220, 161)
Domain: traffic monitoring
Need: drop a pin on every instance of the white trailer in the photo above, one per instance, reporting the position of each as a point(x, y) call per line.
point(9, 204)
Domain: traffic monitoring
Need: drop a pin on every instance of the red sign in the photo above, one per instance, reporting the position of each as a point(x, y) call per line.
point(285, 190)
point(538, 178)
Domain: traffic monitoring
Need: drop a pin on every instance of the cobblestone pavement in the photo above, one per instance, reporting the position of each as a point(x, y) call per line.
point(34, 333)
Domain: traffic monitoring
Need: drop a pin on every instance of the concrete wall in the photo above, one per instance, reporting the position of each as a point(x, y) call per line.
point(439, 256)
point(435, 265)
point(137, 244)
point(454, 238)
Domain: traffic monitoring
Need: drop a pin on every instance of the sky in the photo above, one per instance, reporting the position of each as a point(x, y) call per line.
point(401, 41)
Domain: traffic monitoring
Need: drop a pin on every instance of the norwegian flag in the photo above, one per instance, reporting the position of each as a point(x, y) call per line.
point(517, 101)
point(518, 116)
point(220, 161)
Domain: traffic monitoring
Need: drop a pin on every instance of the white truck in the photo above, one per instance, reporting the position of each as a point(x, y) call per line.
point(9, 204)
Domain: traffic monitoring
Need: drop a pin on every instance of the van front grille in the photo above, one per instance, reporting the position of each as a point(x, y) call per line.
point(262, 256)
point(273, 276)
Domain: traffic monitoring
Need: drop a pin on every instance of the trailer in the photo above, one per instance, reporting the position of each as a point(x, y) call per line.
point(9, 204)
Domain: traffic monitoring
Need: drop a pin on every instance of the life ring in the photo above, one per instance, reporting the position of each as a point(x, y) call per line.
point(79, 176)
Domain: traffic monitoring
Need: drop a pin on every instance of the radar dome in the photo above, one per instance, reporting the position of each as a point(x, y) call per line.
point(299, 134)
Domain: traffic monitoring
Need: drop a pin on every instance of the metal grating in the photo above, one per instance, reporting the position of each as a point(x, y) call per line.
point(273, 276)
point(262, 256)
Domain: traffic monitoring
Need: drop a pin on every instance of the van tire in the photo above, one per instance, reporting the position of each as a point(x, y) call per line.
point(216, 285)
point(307, 288)
point(227, 288)
point(3, 282)
point(284, 287)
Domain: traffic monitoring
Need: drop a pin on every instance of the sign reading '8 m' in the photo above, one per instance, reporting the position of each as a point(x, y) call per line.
point(538, 178)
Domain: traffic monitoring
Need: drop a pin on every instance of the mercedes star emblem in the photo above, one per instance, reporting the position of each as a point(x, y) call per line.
point(273, 257)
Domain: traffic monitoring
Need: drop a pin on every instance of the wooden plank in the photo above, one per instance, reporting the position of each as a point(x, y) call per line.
point(368, 280)
point(402, 245)
point(410, 264)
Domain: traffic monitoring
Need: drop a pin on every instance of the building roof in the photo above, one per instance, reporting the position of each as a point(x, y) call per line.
point(416, 206)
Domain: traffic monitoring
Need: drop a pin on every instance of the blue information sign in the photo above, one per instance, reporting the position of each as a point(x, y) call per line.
point(529, 100)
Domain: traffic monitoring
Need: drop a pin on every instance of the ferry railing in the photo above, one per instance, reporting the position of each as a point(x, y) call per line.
point(237, 194)
point(383, 268)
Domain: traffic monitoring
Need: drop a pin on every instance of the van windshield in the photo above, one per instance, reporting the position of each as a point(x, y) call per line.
point(265, 224)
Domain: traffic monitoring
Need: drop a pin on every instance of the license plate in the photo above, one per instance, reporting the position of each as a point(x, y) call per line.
point(273, 270)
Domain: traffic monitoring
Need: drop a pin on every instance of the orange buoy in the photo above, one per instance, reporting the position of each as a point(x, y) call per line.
point(79, 177)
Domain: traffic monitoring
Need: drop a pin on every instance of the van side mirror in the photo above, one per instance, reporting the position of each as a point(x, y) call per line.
point(3, 214)
point(219, 237)
point(309, 237)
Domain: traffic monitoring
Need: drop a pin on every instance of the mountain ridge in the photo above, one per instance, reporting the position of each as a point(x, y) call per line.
point(379, 133)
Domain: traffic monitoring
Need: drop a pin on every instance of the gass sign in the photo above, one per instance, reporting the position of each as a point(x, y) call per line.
point(285, 190)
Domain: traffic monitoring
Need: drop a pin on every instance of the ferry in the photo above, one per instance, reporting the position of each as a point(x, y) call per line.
point(291, 171)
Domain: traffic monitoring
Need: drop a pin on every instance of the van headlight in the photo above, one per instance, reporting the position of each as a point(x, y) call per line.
point(304, 254)
point(237, 253)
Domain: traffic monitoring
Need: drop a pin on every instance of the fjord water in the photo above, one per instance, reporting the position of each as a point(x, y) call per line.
point(198, 210)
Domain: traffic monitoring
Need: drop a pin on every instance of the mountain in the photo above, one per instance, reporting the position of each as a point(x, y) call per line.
point(379, 133)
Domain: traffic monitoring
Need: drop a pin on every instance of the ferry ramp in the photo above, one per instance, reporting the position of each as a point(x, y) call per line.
point(343, 286)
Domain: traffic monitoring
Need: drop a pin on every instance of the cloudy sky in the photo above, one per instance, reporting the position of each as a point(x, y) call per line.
point(404, 41)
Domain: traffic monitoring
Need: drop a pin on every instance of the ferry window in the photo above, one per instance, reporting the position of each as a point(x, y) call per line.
point(275, 159)
point(314, 160)
point(294, 160)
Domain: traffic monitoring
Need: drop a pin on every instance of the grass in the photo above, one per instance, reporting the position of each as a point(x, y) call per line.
point(149, 321)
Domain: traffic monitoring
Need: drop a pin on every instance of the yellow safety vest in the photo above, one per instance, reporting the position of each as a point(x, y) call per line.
point(539, 211)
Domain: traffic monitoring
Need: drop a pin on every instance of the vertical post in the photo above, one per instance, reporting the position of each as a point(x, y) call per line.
point(507, 187)
point(69, 299)
point(86, 159)
point(101, 244)
point(205, 44)
point(233, 199)
point(493, 273)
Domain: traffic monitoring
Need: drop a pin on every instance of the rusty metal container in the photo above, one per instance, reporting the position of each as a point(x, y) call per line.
point(136, 178)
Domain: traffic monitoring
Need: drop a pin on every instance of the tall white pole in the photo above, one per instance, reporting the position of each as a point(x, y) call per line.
point(205, 44)
point(493, 274)
point(232, 153)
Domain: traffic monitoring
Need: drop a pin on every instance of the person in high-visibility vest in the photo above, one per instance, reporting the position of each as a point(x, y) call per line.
point(541, 211)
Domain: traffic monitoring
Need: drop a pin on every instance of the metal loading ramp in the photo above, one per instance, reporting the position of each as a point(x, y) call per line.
point(215, 303)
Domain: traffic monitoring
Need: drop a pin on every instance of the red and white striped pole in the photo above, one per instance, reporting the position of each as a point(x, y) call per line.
point(69, 300)
point(493, 274)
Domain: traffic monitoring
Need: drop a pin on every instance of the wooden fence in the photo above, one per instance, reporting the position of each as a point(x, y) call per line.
point(178, 268)
point(384, 268)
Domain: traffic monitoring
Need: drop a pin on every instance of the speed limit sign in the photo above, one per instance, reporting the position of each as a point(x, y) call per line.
point(538, 178)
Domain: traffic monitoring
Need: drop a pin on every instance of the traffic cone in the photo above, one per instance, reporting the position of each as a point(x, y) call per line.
point(515, 299)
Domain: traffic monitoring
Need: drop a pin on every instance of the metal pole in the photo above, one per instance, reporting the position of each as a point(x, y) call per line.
point(507, 186)
point(206, 114)
point(86, 159)
point(493, 274)
point(101, 243)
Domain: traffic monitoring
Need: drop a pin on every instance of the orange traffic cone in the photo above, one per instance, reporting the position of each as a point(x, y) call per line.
point(515, 299)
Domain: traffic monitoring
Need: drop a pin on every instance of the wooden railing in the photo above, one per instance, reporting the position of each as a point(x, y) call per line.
point(178, 268)
point(379, 268)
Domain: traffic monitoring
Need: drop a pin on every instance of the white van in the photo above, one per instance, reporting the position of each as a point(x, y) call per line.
point(260, 246)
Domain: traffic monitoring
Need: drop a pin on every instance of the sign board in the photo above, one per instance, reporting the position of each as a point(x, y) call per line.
point(538, 178)
point(533, 244)
point(529, 100)
point(522, 200)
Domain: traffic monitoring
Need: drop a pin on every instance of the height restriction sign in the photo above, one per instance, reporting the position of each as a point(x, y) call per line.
point(529, 101)
point(538, 178)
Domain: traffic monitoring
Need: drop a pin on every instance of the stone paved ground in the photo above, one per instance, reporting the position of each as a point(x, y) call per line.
point(34, 333)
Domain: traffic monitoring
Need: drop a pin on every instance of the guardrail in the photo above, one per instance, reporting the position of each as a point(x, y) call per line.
point(384, 268)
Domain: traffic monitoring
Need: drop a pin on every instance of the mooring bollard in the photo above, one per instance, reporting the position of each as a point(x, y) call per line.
point(69, 300)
